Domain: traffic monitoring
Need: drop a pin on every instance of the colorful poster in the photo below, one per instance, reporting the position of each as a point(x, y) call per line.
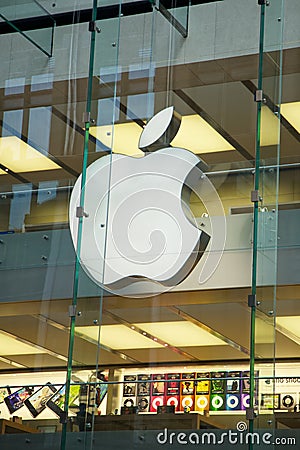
point(173, 384)
point(217, 391)
point(143, 385)
point(245, 388)
point(129, 386)
point(187, 392)
point(202, 388)
point(233, 391)
point(157, 391)
point(269, 401)
point(173, 390)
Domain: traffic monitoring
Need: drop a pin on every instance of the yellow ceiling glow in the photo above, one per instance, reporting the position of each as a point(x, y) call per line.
point(123, 138)
point(196, 135)
point(19, 156)
point(118, 337)
point(181, 334)
point(291, 111)
point(12, 346)
point(290, 323)
point(264, 332)
point(269, 131)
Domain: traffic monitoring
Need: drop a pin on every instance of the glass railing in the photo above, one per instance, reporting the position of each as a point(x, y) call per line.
point(39, 30)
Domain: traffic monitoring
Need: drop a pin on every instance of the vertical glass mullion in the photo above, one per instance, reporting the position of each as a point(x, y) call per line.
point(80, 219)
point(255, 221)
point(266, 185)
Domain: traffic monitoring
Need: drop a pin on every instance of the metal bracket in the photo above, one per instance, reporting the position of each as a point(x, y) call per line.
point(258, 96)
point(80, 212)
point(93, 27)
point(252, 300)
point(255, 196)
point(250, 414)
point(72, 311)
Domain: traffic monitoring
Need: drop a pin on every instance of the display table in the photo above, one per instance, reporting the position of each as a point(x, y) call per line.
point(288, 419)
point(191, 421)
point(9, 427)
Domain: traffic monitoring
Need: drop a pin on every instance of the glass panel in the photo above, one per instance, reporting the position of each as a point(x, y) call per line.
point(269, 163)
point(22, 16)
point(91, 193)
point(176, 14)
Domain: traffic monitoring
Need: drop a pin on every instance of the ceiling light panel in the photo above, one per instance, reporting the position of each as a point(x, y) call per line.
point(12, 346)
point(118, 337)
point(269, 132)
point(290, 323)
point(123, 138)
point(291, 111)
point(196, 135)
point(19, 156)
point(264, 331)
point(180, 334)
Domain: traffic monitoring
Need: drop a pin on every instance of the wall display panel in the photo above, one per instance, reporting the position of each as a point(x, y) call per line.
point(158, 389)
point(187, 392)
point(202, 390)
point(173, 390)
point(233, 391)
point(217, 391)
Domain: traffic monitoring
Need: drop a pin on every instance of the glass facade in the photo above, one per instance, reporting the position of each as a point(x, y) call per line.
point(149, 245)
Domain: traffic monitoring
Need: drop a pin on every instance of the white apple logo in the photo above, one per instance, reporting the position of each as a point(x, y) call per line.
point(139, 237)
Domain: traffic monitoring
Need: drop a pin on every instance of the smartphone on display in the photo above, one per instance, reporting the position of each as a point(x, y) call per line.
point(57, 401)
point(36, 403)
point(16, 400)
point(4, 392)
point(101, 391)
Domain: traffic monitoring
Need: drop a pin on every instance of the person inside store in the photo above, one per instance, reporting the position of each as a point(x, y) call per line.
point(91, 395)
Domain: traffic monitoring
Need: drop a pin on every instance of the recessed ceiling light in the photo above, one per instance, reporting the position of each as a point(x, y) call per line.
point(291, 111)
point(290, 323)
point(269, 132)
point(122, 138)
point(181, 334)
point(196, 135)
point(12, 346)
point(19, 156)
point(118, 337)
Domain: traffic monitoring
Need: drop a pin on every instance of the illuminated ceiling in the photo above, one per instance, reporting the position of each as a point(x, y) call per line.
point(291, 111)
point(19, 156)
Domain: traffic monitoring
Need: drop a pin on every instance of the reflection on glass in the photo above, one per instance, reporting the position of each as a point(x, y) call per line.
point(20, 206)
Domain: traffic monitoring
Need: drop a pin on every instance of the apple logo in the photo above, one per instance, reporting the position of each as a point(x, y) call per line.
point(139, 236)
